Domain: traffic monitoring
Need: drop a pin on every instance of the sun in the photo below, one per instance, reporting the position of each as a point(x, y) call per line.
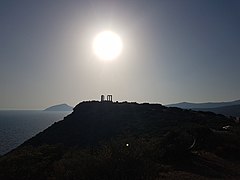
point(107, 45)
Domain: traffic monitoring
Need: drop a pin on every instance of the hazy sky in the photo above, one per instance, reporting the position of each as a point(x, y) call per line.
point(174, 50)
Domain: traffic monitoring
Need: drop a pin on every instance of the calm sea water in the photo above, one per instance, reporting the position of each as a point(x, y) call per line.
point(18, 126)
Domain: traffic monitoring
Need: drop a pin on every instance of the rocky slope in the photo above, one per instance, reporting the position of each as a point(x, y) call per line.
point(105, 140)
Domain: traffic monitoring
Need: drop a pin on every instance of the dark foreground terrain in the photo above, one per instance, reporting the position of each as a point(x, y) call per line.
point(129, 141)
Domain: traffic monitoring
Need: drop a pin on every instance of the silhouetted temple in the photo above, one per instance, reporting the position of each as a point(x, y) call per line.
point(102, 98)
point(109, 98)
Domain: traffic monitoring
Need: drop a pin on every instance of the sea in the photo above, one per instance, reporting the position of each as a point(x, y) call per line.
point(18, 126)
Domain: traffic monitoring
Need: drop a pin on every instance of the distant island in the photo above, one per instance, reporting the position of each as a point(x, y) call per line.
point(122, 140)
point(59, 107)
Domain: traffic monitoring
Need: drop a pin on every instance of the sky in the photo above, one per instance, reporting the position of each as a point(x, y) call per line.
point(173, 51)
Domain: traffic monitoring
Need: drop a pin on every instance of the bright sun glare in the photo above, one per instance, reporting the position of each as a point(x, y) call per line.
point(107, 45)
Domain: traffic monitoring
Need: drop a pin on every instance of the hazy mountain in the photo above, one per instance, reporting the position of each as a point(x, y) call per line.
point(233, 110)
point(105, 140)
point(60, 107)
point(187, 105)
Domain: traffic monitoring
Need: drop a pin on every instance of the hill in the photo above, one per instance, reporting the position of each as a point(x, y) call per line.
point(60, 107)
point(233, 110)
point(105, 140)
point(187, 105)
point(91, 122)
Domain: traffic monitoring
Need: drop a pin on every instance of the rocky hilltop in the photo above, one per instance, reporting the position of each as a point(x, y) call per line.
point(93, 122)
point(106, 140)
